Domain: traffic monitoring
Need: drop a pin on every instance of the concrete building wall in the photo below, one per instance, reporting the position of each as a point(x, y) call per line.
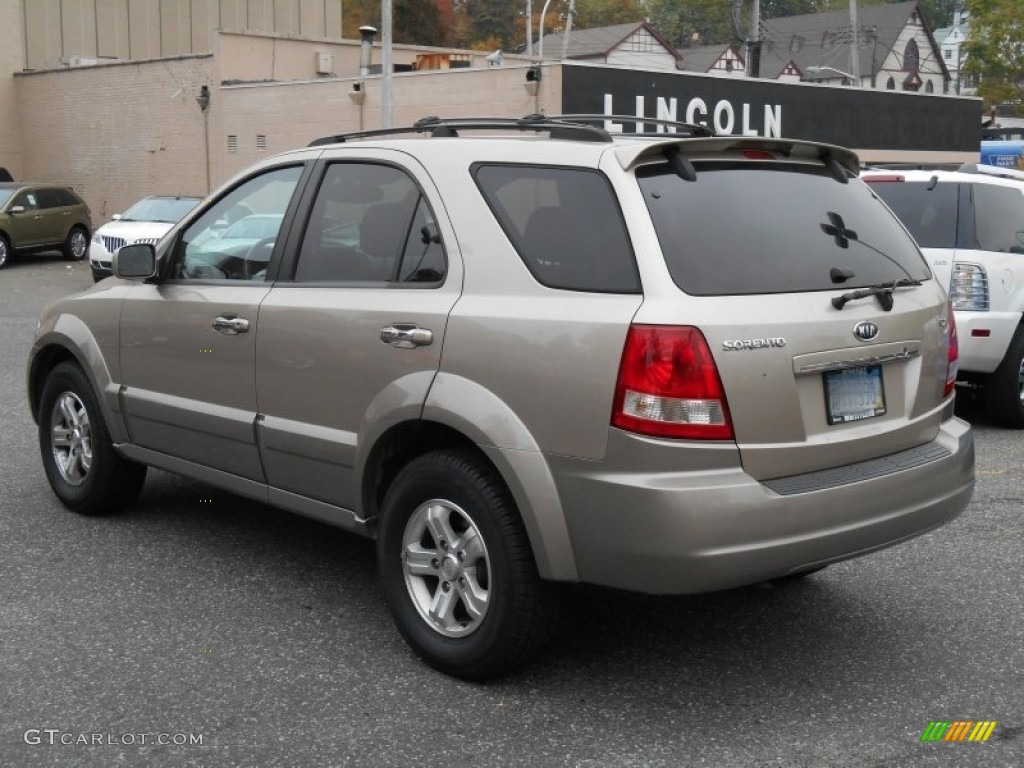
point(59, 30)
point(290, 115)
point(12, 52)
point(117, 132)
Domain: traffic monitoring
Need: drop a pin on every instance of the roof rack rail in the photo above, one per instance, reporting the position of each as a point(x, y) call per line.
point(693, 129)
point(447, 127)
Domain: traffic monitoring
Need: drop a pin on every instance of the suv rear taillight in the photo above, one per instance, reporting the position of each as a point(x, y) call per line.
point(952, 355)
point(669, 386)
point(968, 289)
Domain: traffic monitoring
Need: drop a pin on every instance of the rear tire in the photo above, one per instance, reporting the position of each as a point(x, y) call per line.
point(1004, 389)
point(84, 471)
point(76, 245)
point(457, 569)
point(5, 251)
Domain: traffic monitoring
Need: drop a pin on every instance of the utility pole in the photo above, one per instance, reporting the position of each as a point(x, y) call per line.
point(754, 43)
point(386, 74)
point(529, 27)
point(854, 40)
point(568, 27)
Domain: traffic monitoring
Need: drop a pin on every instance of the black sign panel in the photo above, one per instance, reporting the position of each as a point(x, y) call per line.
point(854, 117)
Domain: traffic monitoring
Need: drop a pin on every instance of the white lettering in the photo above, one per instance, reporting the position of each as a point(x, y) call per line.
point(31, 736)
point(696, 106)
point(610, 125)
point(773, 121)
point(667, 110)
point(639, 112)
point(724, 108)
point(747, 130)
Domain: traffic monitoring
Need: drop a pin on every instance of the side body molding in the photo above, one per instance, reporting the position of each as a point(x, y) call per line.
point(491, 424)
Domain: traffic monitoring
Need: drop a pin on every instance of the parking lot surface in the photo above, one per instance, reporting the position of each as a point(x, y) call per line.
point(203, 629)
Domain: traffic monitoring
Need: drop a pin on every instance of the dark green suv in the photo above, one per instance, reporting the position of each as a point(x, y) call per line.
point(42, 217)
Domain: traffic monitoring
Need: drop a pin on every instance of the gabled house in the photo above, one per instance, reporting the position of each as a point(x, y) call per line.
point(725, 60)
point(896, 49)
point(636, 45)
point(950, 41)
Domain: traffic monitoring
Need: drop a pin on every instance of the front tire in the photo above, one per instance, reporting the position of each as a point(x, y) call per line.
point(76, 245)
point(457, 569)
point(84, 471)
point(1004, 390)
point(5, 251)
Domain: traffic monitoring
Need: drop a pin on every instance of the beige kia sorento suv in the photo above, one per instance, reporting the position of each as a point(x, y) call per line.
point(519, 352)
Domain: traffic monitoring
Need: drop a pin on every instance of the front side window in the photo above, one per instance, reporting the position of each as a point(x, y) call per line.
point(999, 218)
point(745, 229)
point(235, 237)
point(566, 225)
point(370, 224)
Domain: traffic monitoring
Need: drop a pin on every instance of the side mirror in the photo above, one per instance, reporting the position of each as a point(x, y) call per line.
point(16, 209)
point(135, 262)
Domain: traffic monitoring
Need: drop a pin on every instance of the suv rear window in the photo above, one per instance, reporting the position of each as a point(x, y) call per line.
point(565, 224)
point(744, 229)
point(927, 209)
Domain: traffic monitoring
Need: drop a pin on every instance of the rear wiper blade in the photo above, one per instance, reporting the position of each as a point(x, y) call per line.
point(882, 291)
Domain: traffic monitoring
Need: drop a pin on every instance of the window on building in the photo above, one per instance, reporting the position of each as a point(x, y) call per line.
point(911, 57)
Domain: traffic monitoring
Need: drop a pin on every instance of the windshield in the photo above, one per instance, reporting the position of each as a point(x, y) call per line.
point(169, 210)
point(752, 229)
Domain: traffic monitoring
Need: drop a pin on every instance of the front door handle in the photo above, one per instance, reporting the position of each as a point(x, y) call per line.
point(406, 336)
point(230, 325)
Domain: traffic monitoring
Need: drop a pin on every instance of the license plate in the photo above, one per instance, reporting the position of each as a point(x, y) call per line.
point(854, 394)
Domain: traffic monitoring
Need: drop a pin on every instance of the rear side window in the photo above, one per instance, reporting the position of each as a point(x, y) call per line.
point(566, 225)
point(928, 210)
point(999, 218)
point(744, 229)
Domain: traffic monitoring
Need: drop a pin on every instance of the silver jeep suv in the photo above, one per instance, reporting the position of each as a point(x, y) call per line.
point(528, 354)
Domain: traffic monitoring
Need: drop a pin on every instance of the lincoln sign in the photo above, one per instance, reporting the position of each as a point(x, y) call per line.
point(883, 126)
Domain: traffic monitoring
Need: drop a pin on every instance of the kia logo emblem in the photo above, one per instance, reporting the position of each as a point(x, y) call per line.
point(865, 331)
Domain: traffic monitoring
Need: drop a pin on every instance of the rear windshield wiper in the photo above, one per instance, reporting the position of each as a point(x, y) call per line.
point(882, 291)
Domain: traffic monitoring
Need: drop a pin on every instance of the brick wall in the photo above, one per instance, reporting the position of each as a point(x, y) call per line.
point(117, 132)
point(12, 53)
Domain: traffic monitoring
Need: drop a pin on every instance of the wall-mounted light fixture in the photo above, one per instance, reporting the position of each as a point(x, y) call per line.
point(203, 99)
point(358, 93)
point(533, 75)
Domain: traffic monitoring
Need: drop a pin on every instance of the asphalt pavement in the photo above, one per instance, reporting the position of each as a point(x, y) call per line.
point(203, 629)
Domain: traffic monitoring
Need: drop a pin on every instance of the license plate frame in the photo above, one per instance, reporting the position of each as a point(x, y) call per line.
point(854, 394)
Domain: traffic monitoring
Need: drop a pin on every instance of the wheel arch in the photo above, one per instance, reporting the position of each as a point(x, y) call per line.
point(71, 341)
point(460, 414)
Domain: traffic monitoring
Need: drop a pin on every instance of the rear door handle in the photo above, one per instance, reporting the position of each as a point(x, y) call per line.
point(230, 325)
point(406, 336)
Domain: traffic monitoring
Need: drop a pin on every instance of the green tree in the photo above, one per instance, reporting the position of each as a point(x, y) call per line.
point(995, 51)
point(418, 22)
point(605, 13)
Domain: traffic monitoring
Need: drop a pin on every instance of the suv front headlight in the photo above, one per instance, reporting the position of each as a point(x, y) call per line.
point(969, 287)
point(97, 239)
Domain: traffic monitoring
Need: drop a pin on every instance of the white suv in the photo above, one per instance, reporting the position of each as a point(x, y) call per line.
point(970, 225)
point(145, 222)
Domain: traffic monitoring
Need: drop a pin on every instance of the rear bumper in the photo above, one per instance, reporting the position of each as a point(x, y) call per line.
point(984, 338)
point(716, 528)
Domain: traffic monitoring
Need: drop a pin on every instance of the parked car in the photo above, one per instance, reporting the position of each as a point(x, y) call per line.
point(144, 222)
point(668, 364)
point(970, 225)
point(42, 217)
